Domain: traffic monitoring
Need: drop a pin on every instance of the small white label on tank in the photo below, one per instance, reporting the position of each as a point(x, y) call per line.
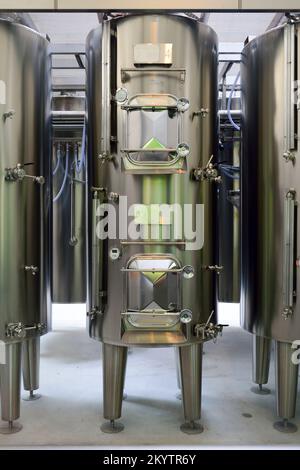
point(2, 353)
point(2, 92)
point(153, 53)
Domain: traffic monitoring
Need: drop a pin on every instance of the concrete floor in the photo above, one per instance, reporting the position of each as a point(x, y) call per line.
point(69, 413)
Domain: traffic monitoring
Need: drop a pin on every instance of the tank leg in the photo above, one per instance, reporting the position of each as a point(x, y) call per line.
point(286, 387)
point(31, 367)
point(125, 396)
point(261, 354)
point(177, 362)
point(114, 369)
point(10, 388)
point(191, 385)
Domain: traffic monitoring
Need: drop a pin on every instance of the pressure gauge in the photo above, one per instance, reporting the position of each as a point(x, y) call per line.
point(183, 105)
point(183, 150)
point(186, 316)
point(114, 254)
point(121, 95)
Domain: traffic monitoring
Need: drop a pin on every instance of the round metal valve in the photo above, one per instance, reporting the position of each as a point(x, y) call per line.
point(18, 331)
point(186, 316)
point(121, 95)
point(19, 171)
point(183, 150)
point(183, 105)
point(188, 272)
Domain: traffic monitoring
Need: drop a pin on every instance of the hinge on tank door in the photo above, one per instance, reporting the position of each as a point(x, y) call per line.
point(108, 195)
point(31, 269)
point(216, 268)
point(105, 157)
point(95, 311)
point(208, 173)
point(19, 330)
point(96, 189)
point(287, 312)
point(203, 112)
point(208, 330)
point(289, 156)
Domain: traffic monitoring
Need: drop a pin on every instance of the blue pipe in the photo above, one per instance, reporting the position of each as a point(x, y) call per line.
point(58, 154)
point(230, 171)
point(79, 165)
point(229, 104)
point(65, 176)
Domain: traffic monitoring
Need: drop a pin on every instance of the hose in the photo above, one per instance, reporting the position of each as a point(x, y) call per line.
point(230, 171)
point(65, 176)
point(79, 165)
point(229, 104)
point(58, 153)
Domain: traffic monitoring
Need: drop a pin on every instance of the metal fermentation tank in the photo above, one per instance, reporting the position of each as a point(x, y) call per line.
point(152, 99)
point(25, 211)
point(69, 199)
point(270, 307)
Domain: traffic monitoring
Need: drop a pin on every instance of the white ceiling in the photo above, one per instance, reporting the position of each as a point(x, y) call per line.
point(235, 27)
point(232, 29)
point(74, 27)
point(65, 27)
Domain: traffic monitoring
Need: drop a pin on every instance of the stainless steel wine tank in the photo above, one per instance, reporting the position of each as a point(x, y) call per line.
point(152, 97)
point(25, 211)
point(270, 236)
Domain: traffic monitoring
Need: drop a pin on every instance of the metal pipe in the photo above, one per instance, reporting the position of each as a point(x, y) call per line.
point(233, 112)
point(96, 281)
point(106, 94)
point(73, 239)
point(228, 87)
point(151, 242)
point(68, 113)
